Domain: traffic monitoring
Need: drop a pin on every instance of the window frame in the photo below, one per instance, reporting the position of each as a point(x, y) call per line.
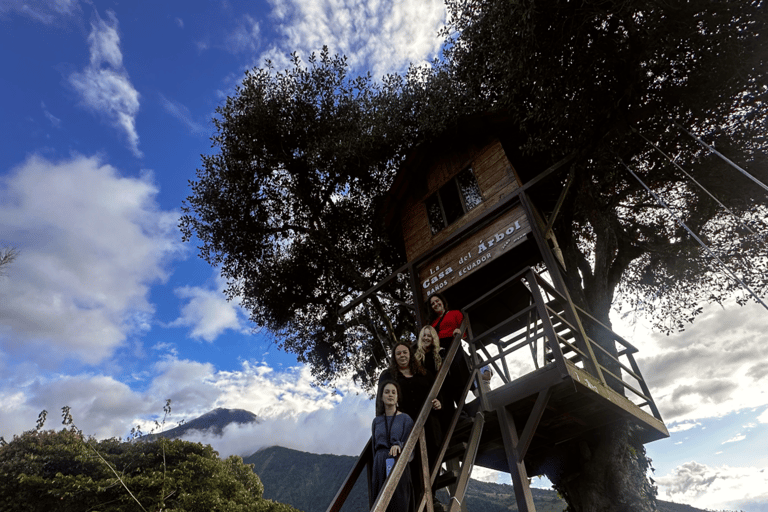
point(463, 200)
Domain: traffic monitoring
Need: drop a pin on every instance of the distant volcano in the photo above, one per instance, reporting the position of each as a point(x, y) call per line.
point(212, 422)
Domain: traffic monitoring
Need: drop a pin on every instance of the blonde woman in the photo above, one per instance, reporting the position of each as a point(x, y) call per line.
point(428, 351)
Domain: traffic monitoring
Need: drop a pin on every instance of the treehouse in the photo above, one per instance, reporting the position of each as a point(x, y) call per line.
point(477, 229)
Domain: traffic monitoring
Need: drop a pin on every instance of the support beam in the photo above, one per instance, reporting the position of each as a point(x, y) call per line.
point(457, 499)
point(516, 465)
point(533, 421)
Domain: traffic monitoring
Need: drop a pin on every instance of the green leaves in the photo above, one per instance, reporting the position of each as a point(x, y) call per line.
point(46, 470)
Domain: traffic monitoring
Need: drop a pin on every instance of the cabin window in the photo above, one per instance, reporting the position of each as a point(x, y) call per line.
point(453, 200)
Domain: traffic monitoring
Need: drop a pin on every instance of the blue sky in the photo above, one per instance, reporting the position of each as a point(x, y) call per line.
point(106, 108)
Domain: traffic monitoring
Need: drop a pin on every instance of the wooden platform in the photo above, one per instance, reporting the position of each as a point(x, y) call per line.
point(578, 404)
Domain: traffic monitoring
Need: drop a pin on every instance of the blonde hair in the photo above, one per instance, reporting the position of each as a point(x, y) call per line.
point(420, 353)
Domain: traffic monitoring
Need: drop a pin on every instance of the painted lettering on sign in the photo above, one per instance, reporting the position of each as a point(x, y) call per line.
point(498, 237)
point(493, 241)
point(436, 276)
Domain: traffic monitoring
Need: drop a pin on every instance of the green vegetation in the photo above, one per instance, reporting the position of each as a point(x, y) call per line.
point(64, 471)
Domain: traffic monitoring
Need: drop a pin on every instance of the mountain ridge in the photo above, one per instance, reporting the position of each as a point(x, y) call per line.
point(212, 422)
point(309, 481)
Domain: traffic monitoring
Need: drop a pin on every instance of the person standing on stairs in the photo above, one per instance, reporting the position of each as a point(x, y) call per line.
point(447, 324)
point(390, 431)
point(415, 385)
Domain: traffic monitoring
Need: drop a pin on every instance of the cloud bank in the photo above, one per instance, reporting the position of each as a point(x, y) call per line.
point(91, 244)
point(716, 487)
point(382, 36)
point(294, 412)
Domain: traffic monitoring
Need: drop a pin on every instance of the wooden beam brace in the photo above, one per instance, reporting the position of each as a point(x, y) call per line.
point(467, 463)
point(560, 201)
point(517, 469)
point(533, 421)
point(427, 485)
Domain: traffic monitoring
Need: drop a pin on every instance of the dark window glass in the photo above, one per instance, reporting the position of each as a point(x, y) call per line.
point(449, 196)
point(469, 188)
point(453, 200)
point(435, 214)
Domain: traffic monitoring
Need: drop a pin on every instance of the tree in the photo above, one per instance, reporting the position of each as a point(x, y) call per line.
point(592, 79)
point(288, 206)
point(587, 77)
point(47, 470)
point(7, 256)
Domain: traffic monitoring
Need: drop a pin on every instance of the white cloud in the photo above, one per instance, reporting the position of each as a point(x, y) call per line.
point(681, 427)
point(183, 114)
point(91, 243)
point(737, 437)
point(104, 85)
point(294, 412)
point(209, 313)
point(763, 418)
point(245, 38)
point(381, 35)
point(723, 487)
point(48, 12)
point(179, 22)
point(55, 121)
point(709, 370)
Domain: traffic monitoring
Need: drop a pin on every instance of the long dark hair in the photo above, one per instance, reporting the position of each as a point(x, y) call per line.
point(413, 363)
point(432, 315)
point(380, 398)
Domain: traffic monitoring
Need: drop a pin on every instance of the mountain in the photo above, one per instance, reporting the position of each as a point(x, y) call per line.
point(306, 481)
point(309, 482)
point(213, 422)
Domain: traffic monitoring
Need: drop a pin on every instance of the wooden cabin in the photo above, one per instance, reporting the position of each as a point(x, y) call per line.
point(472, 227)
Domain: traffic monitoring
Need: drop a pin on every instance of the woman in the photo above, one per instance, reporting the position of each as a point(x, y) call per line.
point(447, 323)
point(412, 378)
point(391, 429)
point(428, 351)
point(430, 354)
point(405, 369)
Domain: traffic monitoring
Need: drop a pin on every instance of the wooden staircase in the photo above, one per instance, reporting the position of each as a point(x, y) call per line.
point(565, 392)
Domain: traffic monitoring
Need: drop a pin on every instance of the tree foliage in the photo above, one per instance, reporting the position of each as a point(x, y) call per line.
point(592, 78)
point(48, 470)
point(287, 205)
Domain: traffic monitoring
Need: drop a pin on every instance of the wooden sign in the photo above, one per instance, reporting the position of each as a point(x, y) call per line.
point(475, 252)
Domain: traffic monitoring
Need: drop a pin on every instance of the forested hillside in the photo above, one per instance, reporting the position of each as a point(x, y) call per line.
point(308, 482)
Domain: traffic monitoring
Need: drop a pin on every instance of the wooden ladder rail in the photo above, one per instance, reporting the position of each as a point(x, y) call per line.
point(365, 460)
point(417, 434)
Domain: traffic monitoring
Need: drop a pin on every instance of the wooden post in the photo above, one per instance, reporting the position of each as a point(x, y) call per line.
point(516, 465)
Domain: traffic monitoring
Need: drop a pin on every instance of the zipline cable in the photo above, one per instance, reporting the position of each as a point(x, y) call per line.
point(701, 243)
point(657, 148)
point(713, 150)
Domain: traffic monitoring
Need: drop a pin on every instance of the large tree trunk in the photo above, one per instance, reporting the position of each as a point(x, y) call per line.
point(604, 473)
point(607, 471)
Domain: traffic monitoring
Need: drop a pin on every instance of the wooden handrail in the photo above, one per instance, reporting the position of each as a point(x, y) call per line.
point(366, 457)
point(385, 495)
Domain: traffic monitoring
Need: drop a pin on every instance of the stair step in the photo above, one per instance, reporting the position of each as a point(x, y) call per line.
point(463, 427)
point(454, 451)
point(446, 479)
